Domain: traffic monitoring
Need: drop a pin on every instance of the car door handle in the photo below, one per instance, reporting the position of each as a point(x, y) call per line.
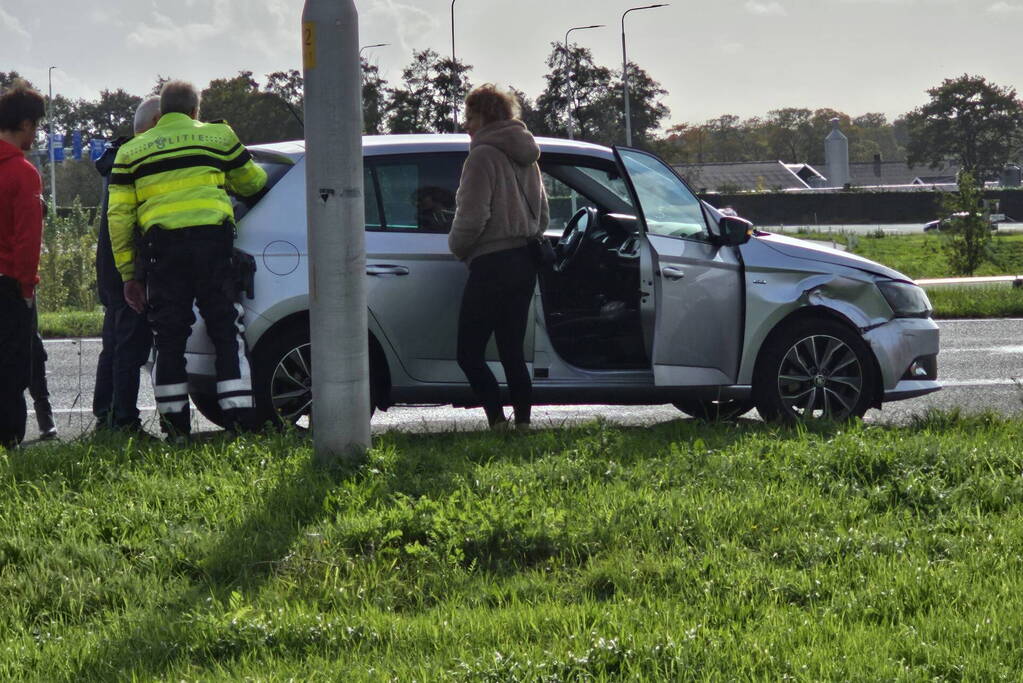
point(383, 269)
point(673, 273)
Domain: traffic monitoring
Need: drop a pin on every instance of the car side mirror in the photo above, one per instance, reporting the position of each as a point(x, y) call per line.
point(733, 231)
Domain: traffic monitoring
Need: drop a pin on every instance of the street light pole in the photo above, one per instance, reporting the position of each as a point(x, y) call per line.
point(53, 164)
point(366, 47)
point(454, 98)
point(625, 72)
point(568, 78)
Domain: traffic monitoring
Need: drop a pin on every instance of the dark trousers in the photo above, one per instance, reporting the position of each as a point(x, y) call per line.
point(15, 361)
point(496, 302)
point(193, 265)
point(126, 343)
point(37, 387)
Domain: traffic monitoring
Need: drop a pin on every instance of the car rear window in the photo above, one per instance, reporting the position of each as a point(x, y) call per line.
point(275, 166)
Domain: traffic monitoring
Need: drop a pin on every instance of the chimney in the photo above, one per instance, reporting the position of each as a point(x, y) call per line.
point(836, 156)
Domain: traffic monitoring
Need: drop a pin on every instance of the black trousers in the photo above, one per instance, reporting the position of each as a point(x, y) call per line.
point(37, 387)
point(15, 361)
point(127, 340)
point(186, 266)
point(496, 302)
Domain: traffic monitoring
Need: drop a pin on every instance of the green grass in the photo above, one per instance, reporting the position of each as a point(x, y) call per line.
point(63, 324)
point(679, 551)
point(976, 301)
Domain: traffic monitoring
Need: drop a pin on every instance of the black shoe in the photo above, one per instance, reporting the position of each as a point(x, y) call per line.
point(48, 434)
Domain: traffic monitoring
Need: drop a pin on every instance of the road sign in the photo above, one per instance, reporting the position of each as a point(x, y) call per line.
point(96, 148)
point(57, 140)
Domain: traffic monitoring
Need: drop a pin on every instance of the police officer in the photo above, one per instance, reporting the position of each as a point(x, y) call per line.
point(126, 334)
point(172, 181)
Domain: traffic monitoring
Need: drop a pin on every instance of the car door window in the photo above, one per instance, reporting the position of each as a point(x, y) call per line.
point(573, 185)
point(669, 207)
point(412, 193)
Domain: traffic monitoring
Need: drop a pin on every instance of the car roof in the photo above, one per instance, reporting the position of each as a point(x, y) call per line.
point(374, 145)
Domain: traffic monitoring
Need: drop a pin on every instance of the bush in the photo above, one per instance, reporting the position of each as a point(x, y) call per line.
point(67, 265)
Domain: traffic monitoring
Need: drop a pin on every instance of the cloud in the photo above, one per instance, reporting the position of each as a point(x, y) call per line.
point(1005, 8)
point(411, 23)
point(731, 48)
point(11, 24)
point(765, 8)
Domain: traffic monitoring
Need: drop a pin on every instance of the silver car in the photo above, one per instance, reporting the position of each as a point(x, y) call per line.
point(656, 297)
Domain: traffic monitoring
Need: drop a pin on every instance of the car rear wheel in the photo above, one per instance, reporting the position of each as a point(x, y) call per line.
point(713, 410)
point(283, 380)
point(816, 370)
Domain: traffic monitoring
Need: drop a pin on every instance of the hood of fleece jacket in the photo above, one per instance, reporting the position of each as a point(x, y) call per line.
point(9, 151)
point(511, 137)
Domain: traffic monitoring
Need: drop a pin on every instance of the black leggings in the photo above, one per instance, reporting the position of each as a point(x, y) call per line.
point(496, 302)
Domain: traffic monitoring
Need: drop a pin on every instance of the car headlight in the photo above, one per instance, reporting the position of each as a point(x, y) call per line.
point(906, 299)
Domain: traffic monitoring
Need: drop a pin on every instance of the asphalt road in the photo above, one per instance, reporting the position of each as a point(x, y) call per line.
point(977, 364)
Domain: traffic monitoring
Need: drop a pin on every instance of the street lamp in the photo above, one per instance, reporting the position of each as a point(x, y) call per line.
point(625, 72)
point(366, 47)
point(53, 164)
point(454, 98)
point(568, 76)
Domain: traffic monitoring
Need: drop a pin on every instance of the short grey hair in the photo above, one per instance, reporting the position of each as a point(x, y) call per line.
point(148, 110)
point(179, 97)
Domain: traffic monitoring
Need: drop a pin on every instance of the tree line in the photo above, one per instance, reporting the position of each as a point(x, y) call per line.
point(967, 120)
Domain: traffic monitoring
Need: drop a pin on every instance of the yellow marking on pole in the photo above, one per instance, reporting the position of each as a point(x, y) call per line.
point(309, 44)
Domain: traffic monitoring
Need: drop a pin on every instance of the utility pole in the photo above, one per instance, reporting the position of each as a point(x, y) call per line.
point(336, 231)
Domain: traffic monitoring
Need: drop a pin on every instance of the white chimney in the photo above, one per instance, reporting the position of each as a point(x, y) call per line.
point(836, 156)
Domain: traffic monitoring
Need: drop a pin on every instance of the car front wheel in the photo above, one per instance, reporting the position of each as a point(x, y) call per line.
point(814, 370)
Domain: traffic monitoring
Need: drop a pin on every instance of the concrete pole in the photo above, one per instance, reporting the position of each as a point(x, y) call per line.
point(454, 66)
point(53, 161)
point(336, 229)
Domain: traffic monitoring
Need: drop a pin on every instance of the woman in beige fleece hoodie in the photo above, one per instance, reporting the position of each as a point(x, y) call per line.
point(501, 206)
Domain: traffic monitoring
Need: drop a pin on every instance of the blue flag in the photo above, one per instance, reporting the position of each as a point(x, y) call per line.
point(96, 148)
point(57, 142)
point(76, 145)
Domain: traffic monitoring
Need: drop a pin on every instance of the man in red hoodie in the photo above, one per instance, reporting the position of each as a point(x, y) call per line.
point(21, 229)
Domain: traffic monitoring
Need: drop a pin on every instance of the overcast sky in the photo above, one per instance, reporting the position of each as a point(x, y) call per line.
point(714, 57)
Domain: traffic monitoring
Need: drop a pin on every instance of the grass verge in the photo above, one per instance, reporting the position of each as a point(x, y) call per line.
point(679, 551)
point(976, 301)
point(63, 324)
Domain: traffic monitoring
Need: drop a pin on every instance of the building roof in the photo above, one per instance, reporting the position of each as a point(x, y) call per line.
point(873, 173)
point(741, 176)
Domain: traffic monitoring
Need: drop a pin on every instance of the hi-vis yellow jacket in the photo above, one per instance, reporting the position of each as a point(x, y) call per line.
point(174, 175)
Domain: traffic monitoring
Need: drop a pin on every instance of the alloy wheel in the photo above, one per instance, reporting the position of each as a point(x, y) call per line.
point(291, 386)
point(820, 377)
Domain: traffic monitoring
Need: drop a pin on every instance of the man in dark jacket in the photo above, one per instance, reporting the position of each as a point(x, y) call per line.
point(21, 230)
point(127, 337)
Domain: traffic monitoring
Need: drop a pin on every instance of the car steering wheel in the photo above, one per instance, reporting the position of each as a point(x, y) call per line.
point(572, 238)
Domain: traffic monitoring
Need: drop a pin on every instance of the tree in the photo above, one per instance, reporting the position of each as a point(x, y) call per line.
point(111, 116)
point(967, 235)
point(432, 87)
point(255, 115)
point(789, 134)
point(976, 123)
point(590, 88)
point(646, 107)
point(374, 99)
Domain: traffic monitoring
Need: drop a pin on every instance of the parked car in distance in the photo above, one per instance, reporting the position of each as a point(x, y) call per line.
point(656, 297)
point(943, 223)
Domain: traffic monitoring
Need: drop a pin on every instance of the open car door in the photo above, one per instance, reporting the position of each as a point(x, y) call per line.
point(694, 303)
